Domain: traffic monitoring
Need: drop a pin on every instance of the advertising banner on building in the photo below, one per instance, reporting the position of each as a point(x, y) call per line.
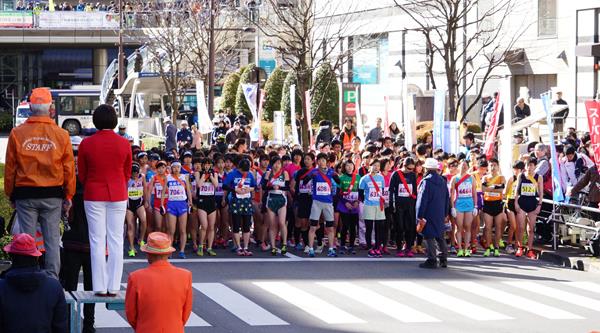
point(16, 19)
point(79, 20)
point(350, 98)
point(556, 186)
point(593, 112)
point(439, 109)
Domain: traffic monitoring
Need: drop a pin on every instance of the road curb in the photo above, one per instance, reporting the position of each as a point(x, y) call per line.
point(588, 264)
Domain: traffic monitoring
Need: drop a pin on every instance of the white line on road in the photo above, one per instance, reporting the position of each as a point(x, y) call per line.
point(309, 303)
point(380, 303)
point(515, 301)
point(238, 305)
point(558, 294)
point(332, 260)
point(448, 302)
point(584, 285)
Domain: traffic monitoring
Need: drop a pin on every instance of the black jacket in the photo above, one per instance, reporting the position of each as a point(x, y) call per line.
point(32, 302)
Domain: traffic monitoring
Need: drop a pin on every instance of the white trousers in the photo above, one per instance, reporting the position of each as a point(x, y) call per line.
point(106, 221)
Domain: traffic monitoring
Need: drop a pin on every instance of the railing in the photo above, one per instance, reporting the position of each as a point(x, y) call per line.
point(570, 215)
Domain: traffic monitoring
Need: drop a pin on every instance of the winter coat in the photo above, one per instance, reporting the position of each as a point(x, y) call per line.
point(31, 301)
point(433, 204)
point(325, 135)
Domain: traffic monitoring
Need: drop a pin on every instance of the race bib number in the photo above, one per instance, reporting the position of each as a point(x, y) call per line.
point(245, 195)
point(352, 196)
point(465, 190)
point(402, 190)
point(307, 189)
point(528, 189)
point(278, 182)
point(206, 189)
point(177, 193)
point(323, 188)
point(374, 195)
point(135, 192)
point(386, 194)
point(494, 195)
point(158, 189)
point(219, 190)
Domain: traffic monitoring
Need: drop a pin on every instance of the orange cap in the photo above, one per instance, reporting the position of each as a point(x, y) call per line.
point(40, 96)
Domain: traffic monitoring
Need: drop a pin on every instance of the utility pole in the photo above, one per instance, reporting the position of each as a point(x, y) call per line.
point(211, 59)
point(464, 59)
point(121, 55)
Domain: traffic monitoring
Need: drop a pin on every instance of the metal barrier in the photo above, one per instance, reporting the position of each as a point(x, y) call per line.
point(568, 214)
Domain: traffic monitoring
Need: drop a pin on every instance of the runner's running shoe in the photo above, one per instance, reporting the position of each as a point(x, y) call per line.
point(211, 252)
point(410, 253)
point(319, 249)
point(460, 253)
point(131, 253)
point(496, 253)
point(467, 252)
point(306, 249)
point(452, 250)
point(384, 250)
point(331, 253)
point(142, 243)
point(378, 253)
point(265, 247)
point(519, 252)
point(501, 244)
point(487, 252)
point(181, 255)
point(531, 254)
point(311, 253)
point(510, 249)
point(400, 254)
point(240, 252)
point(351, 250)
point(247, 253)
point(372, 254)
point(274, 252)
point(299, 247)
point(283, 250)
point(200, 252)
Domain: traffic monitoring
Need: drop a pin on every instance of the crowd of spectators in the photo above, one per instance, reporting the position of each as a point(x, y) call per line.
point(82, 6)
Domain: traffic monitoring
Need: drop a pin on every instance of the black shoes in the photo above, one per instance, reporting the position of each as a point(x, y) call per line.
point(433, 264)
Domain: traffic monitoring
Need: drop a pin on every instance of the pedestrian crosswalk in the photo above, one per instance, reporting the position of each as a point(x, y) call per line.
point(361, 302)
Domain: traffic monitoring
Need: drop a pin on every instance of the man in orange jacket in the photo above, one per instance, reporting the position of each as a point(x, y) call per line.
point(159, 298)
point(39, 176)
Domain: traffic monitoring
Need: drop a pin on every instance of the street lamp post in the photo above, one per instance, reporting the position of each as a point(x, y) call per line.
point(121, 55)
point(211, 60)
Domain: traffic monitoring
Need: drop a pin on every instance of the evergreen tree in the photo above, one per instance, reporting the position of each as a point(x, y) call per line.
point(230, 87)
point(240, 101)
point(273, 89)
point(325, 98)
point(290, 79)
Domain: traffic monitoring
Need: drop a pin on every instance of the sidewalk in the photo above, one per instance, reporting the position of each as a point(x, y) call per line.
point(569, 256)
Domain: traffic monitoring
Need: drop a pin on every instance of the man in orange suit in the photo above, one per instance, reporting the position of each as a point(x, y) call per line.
point(159, 298)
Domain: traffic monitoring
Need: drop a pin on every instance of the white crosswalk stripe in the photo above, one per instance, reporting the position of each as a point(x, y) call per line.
point(448, 302)
point(380, 303)
point(584, 285)
point(309, 303)
point(519, 302)
point(238, 305)
point(558, 294)
point(314, 298)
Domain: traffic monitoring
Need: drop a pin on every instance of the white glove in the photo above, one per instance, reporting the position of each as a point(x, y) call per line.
point(475, 212)
point(453, 212)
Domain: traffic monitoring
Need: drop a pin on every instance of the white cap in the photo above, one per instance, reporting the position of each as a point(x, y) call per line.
point(166, 119)
point(431, 163)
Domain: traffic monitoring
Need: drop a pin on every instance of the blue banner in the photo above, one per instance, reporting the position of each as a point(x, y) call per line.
point(556, 187)
point(439, 109)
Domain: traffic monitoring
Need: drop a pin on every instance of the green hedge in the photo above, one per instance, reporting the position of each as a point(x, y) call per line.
point(240, 101)
point(5, 210)
point(325, 98)
point(273, 90)
point(6, 121)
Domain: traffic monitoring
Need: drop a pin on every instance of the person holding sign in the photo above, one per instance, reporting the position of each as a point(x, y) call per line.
point(462, 199)
point(528, 202)
point(240, 183)
point(276, 183)
point(207, 181)
point(180, 201)
point(323, 189)
point(403, 189)
point(371, 194)
point(347, 205)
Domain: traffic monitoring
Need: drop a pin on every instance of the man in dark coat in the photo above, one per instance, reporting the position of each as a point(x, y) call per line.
point(30, 300)
point(433, 202)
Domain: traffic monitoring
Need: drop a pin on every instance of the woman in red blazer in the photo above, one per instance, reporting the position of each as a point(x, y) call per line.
point(104, 166)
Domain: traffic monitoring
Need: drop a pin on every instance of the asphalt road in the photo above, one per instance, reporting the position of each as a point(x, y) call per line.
point(357, 294)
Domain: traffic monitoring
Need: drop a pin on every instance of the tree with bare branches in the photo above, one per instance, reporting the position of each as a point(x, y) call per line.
point(472, 38)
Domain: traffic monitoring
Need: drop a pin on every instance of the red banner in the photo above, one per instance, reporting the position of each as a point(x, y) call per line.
point(490, 133)
point(593, 108)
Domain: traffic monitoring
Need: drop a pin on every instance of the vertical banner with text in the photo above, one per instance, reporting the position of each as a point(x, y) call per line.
point(295, 139)
point(492, 130)
point(439, 110)
point(250, 92)
point(593, 109)
point(204, 123)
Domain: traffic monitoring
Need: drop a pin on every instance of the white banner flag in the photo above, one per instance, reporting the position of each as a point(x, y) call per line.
point(203, 116)
point(295, 139)
point(250, 92)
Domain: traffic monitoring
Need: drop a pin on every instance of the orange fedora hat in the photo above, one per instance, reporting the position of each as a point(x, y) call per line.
point(158, 243)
